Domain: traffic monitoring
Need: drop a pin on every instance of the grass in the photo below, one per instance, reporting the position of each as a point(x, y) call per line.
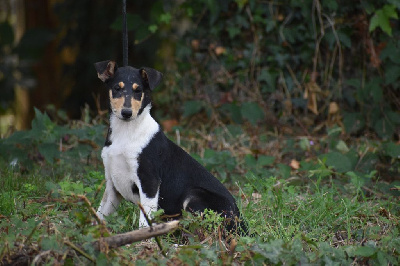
point(310, 215)
point(310, 223)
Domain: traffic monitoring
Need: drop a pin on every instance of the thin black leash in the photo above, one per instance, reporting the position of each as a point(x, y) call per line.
point(124, 35)
point(125, 63)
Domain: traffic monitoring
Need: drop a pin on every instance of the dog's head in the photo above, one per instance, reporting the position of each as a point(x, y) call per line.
point(129, 88)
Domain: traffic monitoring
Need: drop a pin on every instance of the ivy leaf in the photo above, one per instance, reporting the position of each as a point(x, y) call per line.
point(392, 149)
point(390, 11)
point(365, 251)
point(353, 122)
point(233, 31)
point(264, 160)
point(49, 151)
point(338, 161)
point(166, 18)
point(381, 19)
point(250, 160)
point(269, 77)
point(392, 74)
point(252, 112)
point(391, 52)
point(344, 39)
point(153, 28)
point(191, 108)
point(342, 146)
point(384, 128)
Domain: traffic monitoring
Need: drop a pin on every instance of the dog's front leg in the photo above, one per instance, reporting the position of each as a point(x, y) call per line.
point(149, 206)
point(110, 200)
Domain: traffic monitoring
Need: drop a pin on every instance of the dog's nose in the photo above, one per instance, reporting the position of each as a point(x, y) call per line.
point(126, 113)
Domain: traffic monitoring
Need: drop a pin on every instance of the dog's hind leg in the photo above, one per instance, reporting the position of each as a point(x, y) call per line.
point(110, 201)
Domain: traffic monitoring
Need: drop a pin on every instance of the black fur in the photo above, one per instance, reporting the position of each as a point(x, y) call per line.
point(108, 141)
point(181, 176)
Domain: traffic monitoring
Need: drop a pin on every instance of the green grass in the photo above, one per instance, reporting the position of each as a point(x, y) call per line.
point(315, 214)
point(315, 222)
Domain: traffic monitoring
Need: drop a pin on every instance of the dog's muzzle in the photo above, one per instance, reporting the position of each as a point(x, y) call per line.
point(126, 113)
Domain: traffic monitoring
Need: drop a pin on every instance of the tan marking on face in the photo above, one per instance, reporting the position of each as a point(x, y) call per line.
point(136, 104)
point(135, 86)
point(116, 103)
point(121, 85)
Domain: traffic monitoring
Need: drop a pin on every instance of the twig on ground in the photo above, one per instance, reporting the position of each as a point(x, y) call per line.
point(137, 235)
point(93, 212)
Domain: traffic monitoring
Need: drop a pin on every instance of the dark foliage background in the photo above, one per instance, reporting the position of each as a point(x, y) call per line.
point(296, 65)
point(282, 62)
point(290, 68)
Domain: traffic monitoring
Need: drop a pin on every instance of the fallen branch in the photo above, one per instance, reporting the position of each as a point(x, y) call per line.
point(137, 235)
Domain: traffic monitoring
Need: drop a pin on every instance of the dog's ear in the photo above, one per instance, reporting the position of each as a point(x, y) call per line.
point(106, 69)
point(151, 77)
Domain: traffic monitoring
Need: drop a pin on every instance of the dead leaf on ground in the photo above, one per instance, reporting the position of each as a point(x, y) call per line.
point(220, 50)
point(295, 164)
point(333, 108)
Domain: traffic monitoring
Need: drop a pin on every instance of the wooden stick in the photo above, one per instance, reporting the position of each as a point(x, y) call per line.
point(137, 235)
point(93, 212)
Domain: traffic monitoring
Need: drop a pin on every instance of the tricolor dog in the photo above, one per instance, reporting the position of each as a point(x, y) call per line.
point(142, 165)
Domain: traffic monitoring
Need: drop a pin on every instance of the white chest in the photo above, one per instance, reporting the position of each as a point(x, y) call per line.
point(121, 157)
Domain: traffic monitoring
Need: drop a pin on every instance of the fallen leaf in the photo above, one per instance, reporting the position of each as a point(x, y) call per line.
point(232, 246)
point(219, 50)
point(333, 108)
point(295, 164)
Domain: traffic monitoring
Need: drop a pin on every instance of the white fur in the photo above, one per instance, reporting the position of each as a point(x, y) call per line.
point(121, 163)
point(185, 203)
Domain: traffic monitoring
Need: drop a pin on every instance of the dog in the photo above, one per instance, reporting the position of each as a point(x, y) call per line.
point(142, 165)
